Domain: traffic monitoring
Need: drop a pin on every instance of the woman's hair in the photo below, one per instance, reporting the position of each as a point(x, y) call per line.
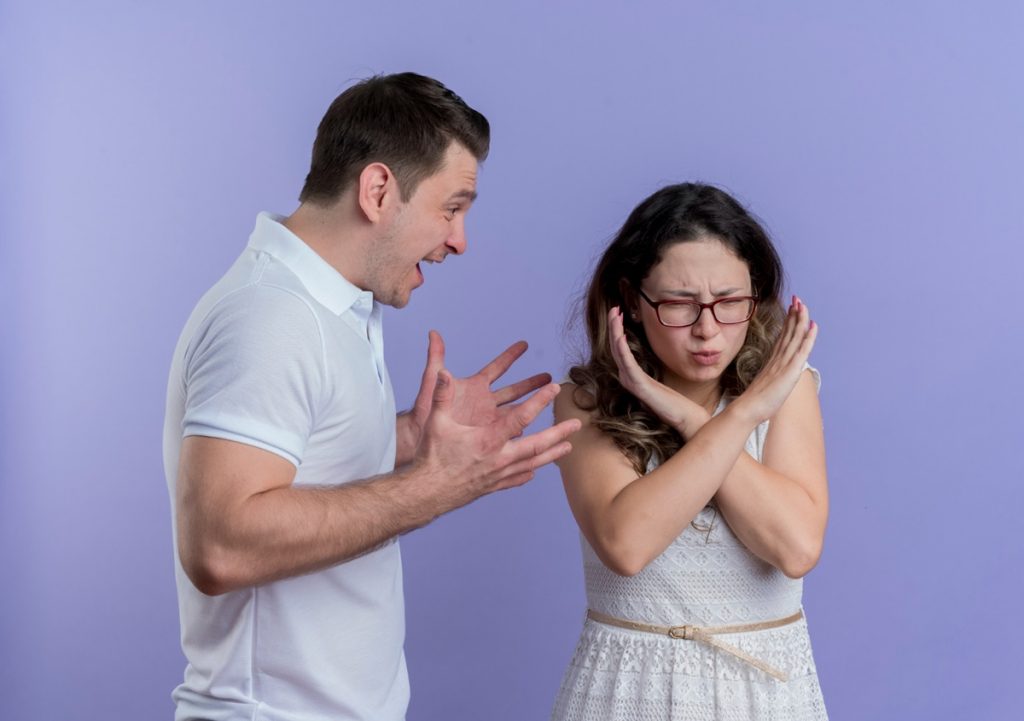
point(675, 214)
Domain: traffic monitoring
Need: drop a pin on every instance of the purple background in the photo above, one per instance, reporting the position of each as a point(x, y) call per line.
point(880, 142)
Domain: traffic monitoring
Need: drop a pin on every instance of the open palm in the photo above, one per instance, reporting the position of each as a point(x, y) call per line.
point(474, 403)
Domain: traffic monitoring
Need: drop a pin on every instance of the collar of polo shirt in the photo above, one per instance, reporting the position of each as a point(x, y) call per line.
point(324, 283)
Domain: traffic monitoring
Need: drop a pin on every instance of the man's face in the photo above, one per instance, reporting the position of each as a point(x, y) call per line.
point(425, 229)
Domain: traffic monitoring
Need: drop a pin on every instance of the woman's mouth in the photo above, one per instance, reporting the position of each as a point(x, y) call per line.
point(706, 358)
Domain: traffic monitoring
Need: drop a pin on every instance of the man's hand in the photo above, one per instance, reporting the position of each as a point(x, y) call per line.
point(473, 403)
point(466, 452)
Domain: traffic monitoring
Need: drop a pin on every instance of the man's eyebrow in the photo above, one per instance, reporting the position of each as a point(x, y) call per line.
point(469, 195)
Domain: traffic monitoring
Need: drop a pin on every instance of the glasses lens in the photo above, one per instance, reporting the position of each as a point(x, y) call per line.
point(678, 313)
point(733, 310)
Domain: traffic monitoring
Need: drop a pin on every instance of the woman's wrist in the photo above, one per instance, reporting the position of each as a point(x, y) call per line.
point(690, 423)
point(744, 412)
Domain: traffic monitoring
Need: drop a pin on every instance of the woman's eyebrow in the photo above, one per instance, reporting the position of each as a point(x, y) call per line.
point(683, 293)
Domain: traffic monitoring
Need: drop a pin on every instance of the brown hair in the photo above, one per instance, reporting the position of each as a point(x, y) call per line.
point(675, 214)
point(406, 121)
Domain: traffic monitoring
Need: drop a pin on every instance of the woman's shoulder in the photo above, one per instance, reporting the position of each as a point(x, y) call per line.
point(574, 401)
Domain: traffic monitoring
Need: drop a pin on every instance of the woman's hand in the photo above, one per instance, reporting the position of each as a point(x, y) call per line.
point(674, 408)
point(769, 390)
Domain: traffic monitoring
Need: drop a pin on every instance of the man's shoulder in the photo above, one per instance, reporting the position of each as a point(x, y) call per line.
point(265, 293)
point(260, 316)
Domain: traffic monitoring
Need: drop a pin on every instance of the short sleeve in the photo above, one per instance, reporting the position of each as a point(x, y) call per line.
point(814, 374)
point(254, 370)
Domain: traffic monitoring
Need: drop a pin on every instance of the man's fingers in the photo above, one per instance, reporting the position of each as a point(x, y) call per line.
point(537, 449)
point(522, 415)
point(497, 367)
point(524, 387)
point(533, 462)
point(435, 362)
point(435, 352)
point(515, 480)
point(444, 391)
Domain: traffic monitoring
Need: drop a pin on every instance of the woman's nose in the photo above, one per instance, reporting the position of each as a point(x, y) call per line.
point(706, 325)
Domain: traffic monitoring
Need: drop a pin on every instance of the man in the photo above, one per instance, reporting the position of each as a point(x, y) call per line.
point(290, 475)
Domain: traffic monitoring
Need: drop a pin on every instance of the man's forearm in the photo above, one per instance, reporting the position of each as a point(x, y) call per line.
point(406, 437)
point(294, 530)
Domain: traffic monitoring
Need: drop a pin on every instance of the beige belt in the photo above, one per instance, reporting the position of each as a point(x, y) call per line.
point(706, 635)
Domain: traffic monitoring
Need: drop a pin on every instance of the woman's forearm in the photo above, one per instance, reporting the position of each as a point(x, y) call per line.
point(775, 517)
point(649, 513)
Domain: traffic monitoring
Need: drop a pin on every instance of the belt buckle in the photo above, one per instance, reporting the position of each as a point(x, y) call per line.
point(681, 632)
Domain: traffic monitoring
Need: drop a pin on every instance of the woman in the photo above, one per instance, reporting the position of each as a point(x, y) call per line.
point(693, 549)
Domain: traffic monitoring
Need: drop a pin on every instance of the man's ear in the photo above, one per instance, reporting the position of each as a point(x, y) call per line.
point(378, 189)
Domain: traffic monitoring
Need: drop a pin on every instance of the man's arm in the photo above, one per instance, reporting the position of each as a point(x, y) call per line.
point(241, 522)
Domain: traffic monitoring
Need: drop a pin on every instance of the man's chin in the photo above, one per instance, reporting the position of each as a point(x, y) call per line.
point(398, 299)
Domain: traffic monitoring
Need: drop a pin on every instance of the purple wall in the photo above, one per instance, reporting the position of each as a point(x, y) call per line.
point(882, 145)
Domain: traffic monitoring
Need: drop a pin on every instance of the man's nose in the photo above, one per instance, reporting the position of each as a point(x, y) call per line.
point(457, 240)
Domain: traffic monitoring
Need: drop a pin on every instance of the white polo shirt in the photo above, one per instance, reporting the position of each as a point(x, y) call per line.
point(286, 355)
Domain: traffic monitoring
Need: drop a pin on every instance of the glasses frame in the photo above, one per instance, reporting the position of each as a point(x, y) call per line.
point(656, 304)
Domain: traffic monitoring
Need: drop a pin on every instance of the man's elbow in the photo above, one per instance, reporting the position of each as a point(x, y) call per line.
point(209, 568)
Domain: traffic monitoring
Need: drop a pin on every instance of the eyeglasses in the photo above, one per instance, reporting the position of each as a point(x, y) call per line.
point(683, 313)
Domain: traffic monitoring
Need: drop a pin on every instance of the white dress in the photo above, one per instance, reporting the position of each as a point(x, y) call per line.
point(705, 579)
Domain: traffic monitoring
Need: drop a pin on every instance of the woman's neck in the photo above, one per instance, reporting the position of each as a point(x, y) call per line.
point(706, 394)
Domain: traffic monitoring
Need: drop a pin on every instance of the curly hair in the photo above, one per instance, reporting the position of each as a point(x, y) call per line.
point(675, 214)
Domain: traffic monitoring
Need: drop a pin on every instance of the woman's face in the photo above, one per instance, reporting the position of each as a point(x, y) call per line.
point(703, 270)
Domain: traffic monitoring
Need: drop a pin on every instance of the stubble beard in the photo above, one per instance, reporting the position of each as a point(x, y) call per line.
point(383, 266)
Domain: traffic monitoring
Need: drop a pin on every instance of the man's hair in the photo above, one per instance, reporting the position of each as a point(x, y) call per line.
point(406, 121)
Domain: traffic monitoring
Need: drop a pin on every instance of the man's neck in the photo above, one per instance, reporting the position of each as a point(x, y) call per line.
point(335, 234)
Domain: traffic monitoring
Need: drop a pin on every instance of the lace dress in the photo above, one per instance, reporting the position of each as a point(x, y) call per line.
point(707, 579)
